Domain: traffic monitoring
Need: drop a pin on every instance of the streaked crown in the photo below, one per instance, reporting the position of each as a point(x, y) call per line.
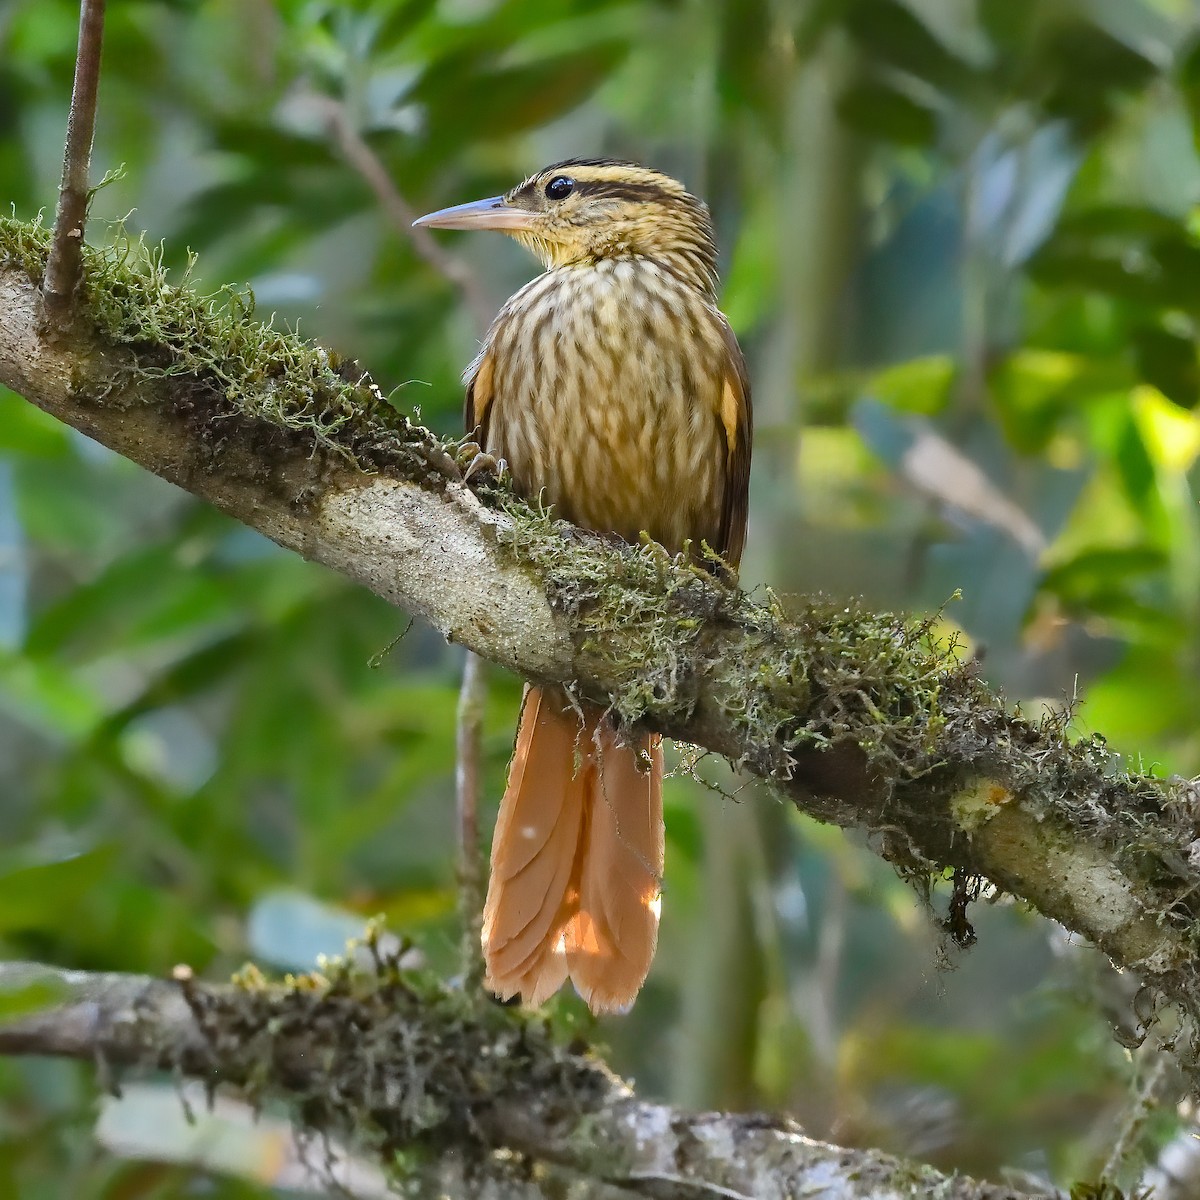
point(584, 210)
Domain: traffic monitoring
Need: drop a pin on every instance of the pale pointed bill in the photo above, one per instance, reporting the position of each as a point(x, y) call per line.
point(492, 213)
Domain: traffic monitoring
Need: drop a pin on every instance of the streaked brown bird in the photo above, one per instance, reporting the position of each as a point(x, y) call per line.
point(613, 387)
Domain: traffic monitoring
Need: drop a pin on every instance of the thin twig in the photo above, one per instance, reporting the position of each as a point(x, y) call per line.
point(701, 1187)
point(472, 698)
point(1149, 1096)
point(63, 266)
point(473, 694)
point(401, 213)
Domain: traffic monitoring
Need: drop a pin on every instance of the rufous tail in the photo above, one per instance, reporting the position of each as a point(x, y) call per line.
point(577, 859)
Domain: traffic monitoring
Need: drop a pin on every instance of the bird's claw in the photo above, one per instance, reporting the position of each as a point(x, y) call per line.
point(474, 460)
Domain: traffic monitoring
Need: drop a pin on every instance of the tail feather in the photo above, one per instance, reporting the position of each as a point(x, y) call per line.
point(612, 938)
point(533, 851)
point(576, 859)
point(522, 831)
point(514, 943)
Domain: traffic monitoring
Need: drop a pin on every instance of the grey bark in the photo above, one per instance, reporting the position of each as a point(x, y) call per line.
point(602, 1142)
point(66, 255)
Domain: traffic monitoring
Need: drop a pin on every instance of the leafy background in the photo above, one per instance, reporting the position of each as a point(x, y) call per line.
point(962, 251)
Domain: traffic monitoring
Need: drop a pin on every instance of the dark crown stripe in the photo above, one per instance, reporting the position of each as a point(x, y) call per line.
point(620, 190)
point(590, 162)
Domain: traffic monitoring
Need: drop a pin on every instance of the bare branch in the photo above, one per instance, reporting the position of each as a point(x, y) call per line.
point(400, 212)
point(473, 693)
point(398, 1065)
point(472, 698)
point(63, 266)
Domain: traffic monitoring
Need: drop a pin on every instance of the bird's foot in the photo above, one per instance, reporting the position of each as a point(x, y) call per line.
point(472, 460)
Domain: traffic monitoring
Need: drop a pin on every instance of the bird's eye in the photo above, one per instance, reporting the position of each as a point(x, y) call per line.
point(560, 187)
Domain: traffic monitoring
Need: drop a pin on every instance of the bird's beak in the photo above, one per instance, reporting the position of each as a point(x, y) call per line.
point(492, 213)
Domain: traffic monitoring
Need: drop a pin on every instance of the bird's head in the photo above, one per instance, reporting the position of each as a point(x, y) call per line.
point(585, 210)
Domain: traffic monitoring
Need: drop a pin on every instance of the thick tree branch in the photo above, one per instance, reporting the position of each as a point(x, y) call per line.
point(857, 717)
point(401, 1064)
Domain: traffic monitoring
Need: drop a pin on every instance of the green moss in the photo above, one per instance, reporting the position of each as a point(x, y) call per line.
point(867, 718)
point(246, 377)
point(25, 244)
point(390, 1058)
point(667, 631)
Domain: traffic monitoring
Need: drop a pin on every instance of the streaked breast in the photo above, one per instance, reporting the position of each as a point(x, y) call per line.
point(607, 384)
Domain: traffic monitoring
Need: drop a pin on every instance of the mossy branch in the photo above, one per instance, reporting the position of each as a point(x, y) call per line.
point(422, 1077)
point(862, 719)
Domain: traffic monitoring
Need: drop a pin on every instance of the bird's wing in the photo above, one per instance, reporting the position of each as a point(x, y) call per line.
point(477, 405)
point(737, 419)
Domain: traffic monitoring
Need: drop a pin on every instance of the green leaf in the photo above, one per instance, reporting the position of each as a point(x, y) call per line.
point(118, 605)
point(1038, 393)
point(490, 103)
point(886, 113)
point(47, 895)
point(1147, 702)
point(403, 17)
point(47, 697)
point(1061, 265)
point(1010, 22)
point(1135, 466)
point(1098, 579)
point(30, 998)
point(28, 431)
point(1091, 70)
point(749, 66)
point(892, 33)
point(752, 281)
point(193, 674)
point(1188, 75)
point(921, 385)
point(1167, 359)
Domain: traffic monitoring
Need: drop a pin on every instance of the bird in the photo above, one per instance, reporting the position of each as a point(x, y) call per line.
point(612, 388)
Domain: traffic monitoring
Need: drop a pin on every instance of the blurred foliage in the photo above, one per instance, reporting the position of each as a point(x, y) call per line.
point(963, 254)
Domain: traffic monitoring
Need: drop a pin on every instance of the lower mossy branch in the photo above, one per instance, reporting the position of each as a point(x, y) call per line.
point(393, 1063)
point(860, 718)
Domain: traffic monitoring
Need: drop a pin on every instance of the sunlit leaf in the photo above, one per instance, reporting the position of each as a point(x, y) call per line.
point(921, 385)
point(1172, 437)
